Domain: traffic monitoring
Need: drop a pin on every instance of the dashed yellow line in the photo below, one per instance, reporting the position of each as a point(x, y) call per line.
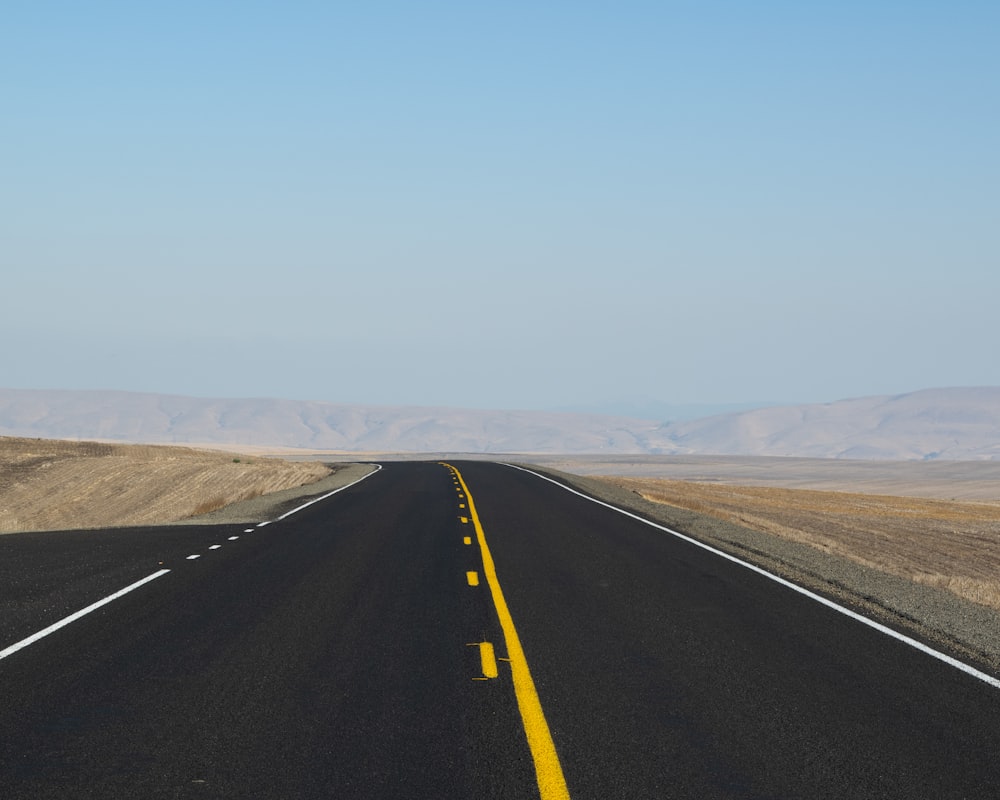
point(488, 659)
point(548, 770)
point(472, 578)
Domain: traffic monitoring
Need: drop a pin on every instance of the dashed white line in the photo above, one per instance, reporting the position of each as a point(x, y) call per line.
point(72, 617)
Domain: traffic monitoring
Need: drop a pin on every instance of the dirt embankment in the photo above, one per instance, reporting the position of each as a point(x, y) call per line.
point(52, 485)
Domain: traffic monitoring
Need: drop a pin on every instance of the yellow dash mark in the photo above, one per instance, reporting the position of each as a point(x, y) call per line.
point(472, 578)
point(461, 505)
point(548, 770)
point(488, 659)
point(465, 520)
point(467, 540)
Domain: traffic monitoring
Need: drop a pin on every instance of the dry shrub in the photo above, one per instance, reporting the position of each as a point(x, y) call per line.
point(213, 504)
point(979, 590)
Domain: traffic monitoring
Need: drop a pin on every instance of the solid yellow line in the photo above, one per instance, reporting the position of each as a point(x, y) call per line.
point(548, 771)
point(472, 578)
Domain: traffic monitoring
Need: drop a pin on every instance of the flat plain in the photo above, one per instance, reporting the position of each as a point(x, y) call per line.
point(974, 480)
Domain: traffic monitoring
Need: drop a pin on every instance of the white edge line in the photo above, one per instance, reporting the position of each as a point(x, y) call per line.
point(954, 662)
point(378, 467)
point(83, 611)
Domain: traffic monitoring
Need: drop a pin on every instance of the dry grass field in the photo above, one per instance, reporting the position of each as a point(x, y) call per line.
point(952, 545)
point(51, 485)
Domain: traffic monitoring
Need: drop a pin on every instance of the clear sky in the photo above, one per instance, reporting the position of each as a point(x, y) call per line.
point(503, 205)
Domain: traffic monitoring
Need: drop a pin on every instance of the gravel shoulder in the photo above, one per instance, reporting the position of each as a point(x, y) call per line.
point(938, 617)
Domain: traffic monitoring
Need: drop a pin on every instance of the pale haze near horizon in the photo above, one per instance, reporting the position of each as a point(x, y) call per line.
point(576, 205)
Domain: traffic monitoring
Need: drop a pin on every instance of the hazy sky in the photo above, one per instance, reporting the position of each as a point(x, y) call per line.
point(518, 204)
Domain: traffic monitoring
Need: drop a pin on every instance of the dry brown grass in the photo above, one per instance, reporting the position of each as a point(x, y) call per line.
point(952, 545)
point(212, 504)
point(49, 485)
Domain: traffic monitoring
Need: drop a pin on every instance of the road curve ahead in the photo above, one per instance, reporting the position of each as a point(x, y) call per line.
point(457, 631)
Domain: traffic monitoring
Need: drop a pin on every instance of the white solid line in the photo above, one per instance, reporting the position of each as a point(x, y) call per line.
point(378, 467)
point(953, 662)
point(73, 617)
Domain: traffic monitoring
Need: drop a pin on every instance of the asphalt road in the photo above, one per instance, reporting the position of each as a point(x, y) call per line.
point(340, 653)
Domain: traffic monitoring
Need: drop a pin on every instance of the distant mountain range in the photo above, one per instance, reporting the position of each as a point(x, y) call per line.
point(959, 423)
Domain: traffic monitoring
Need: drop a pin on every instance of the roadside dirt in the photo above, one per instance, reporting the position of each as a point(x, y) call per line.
point(952, 545)
point(59, 485)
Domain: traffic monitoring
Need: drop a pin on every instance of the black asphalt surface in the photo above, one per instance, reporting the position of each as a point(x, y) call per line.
point(327, 655)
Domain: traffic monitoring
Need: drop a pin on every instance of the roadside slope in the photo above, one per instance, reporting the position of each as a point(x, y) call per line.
point(52, 485)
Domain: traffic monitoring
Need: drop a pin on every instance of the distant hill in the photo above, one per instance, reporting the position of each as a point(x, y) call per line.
point(958, 424)
point(962, 423)
point(151, 418)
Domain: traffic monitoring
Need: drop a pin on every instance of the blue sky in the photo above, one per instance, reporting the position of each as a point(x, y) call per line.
point(526, 205)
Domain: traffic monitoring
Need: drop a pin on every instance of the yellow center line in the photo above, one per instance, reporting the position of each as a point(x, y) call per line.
point(548, 770)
